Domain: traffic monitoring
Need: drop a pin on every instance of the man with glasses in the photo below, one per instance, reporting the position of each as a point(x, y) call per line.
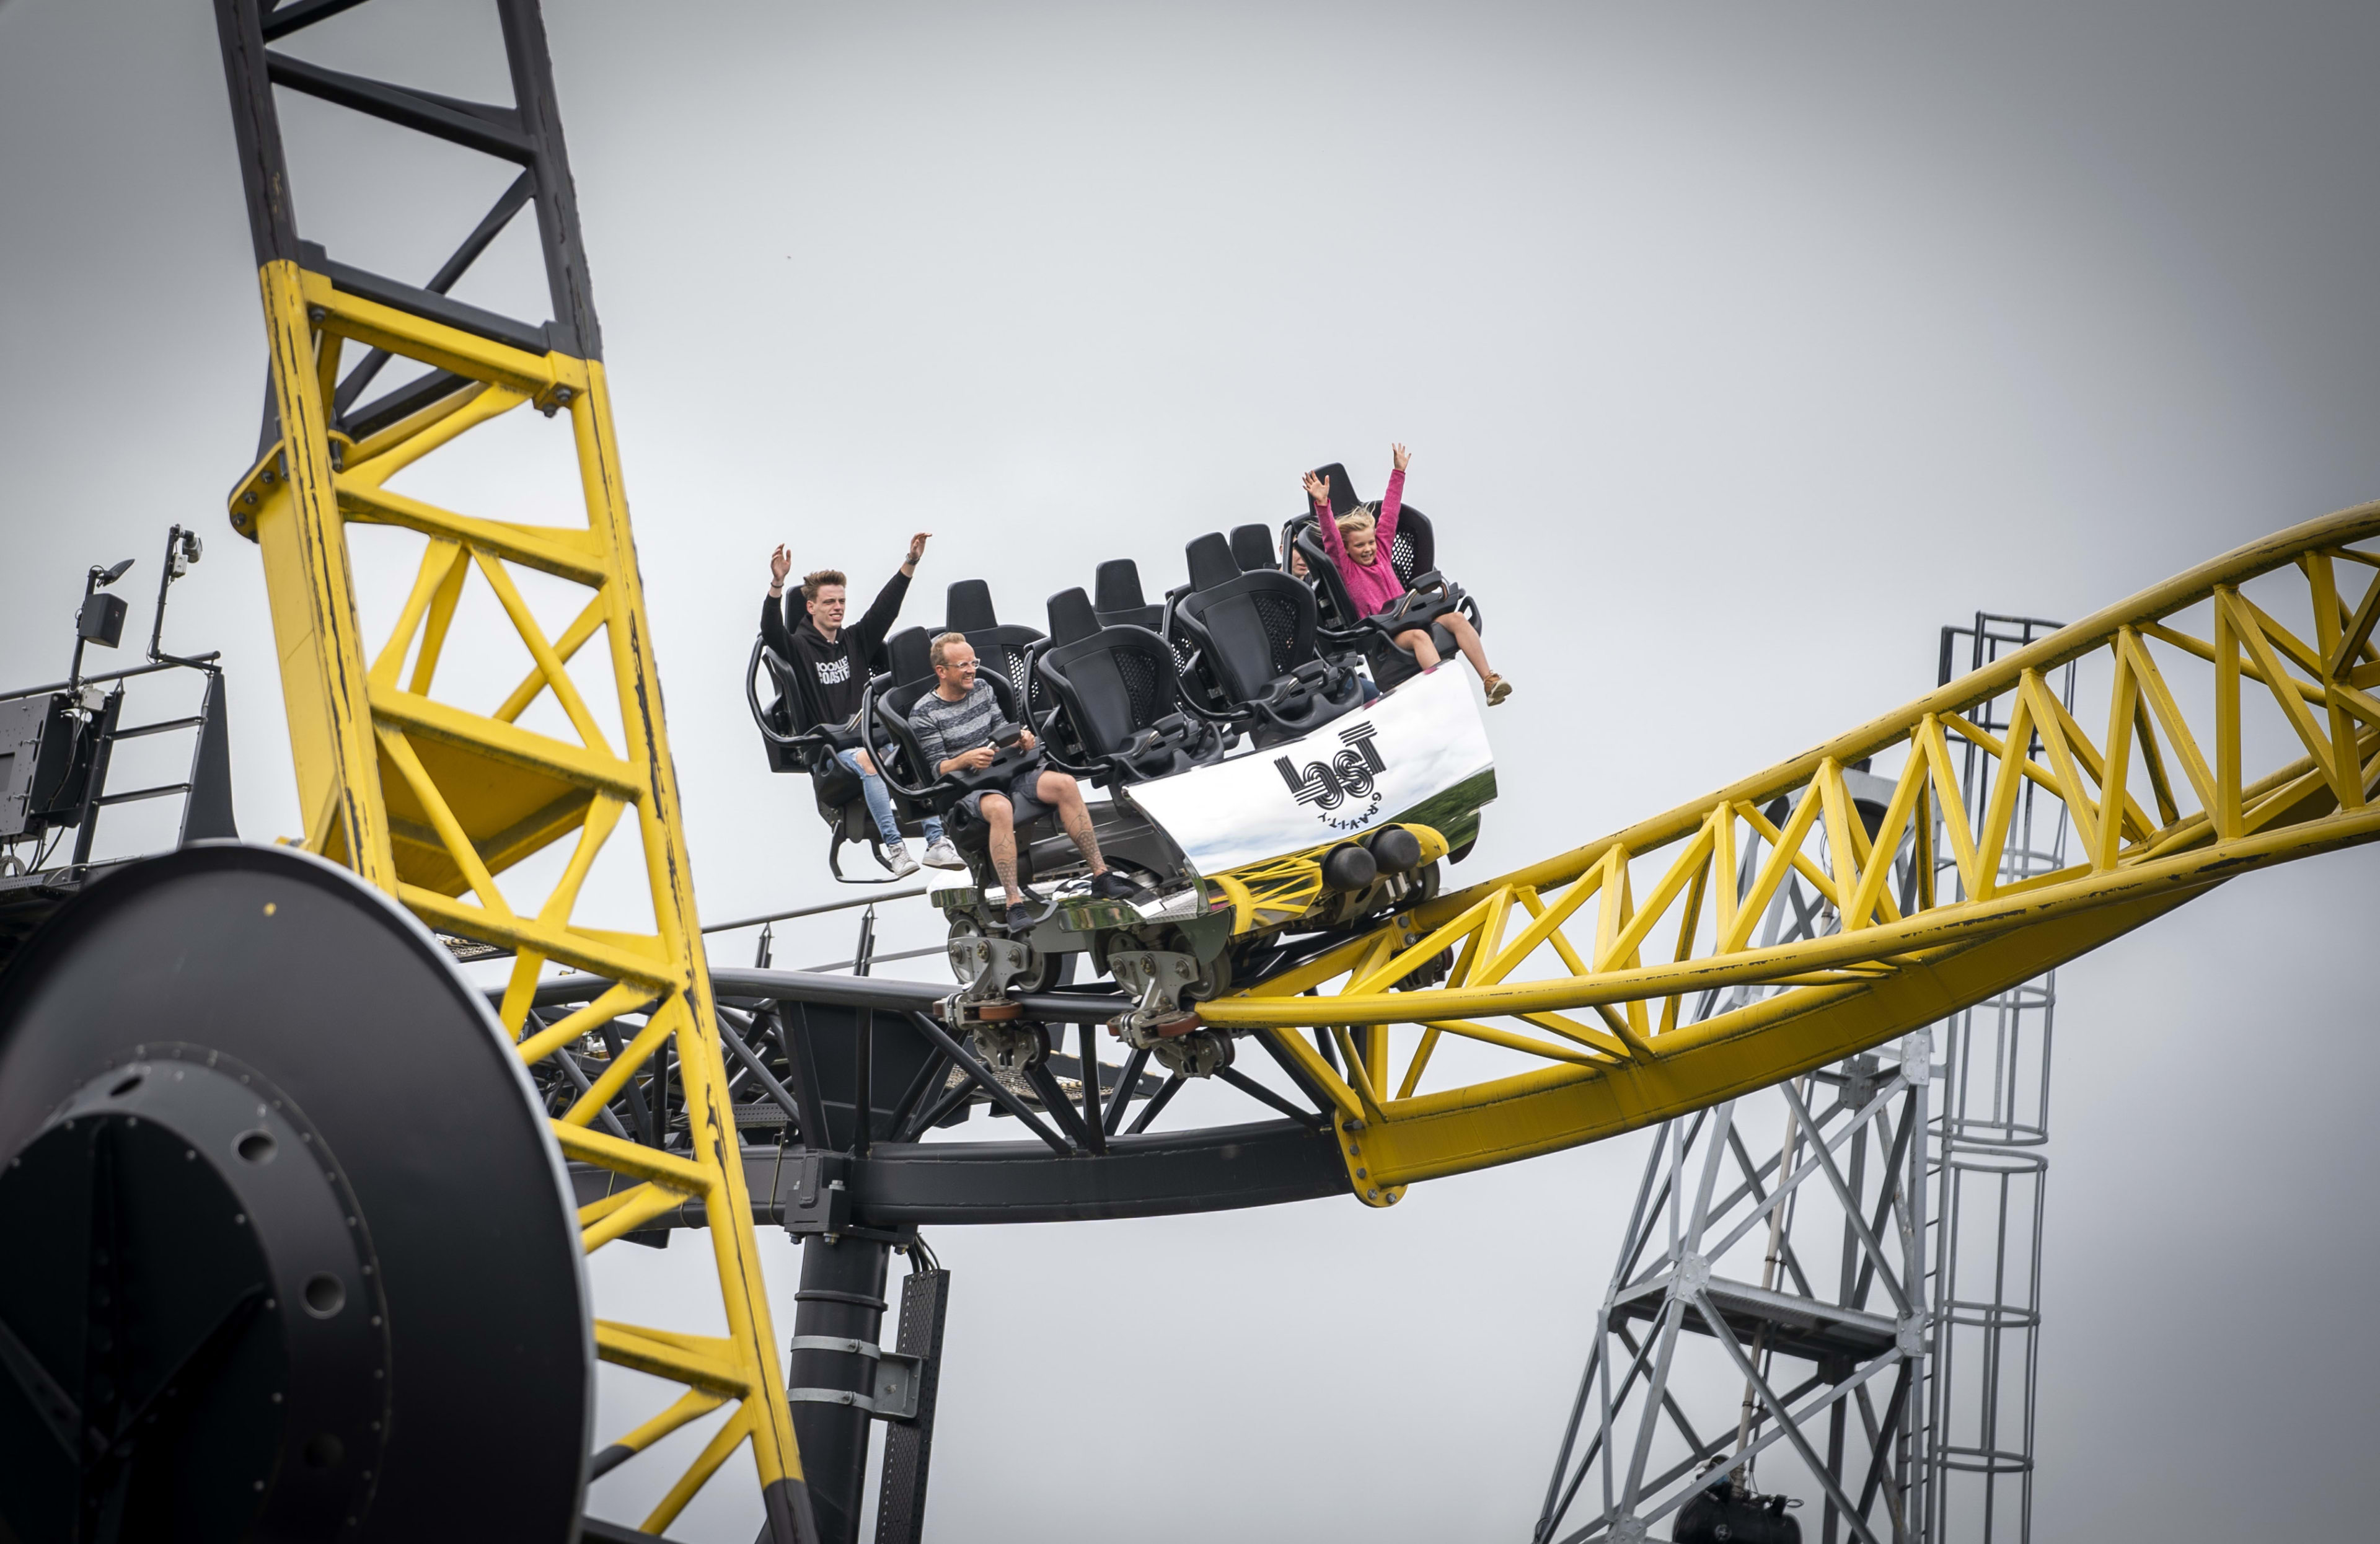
point(956, 723)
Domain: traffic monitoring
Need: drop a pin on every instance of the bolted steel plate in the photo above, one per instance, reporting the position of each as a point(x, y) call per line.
point(291, 1252)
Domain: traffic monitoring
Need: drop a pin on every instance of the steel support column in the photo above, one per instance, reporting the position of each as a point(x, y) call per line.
point(841, 1304)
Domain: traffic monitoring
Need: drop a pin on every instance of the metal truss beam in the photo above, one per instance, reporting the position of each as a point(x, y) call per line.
point(432, 801)
point(1560, 963)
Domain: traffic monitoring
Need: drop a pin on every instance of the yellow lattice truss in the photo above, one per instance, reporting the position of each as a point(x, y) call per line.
point(432, 802)
point(2232, 723)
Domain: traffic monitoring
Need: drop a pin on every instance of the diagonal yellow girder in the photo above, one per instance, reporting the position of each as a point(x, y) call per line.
point(1904, 944)
point(434, 800)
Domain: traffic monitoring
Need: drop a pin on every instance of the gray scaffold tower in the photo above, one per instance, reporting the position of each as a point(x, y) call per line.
point(1823, 1319)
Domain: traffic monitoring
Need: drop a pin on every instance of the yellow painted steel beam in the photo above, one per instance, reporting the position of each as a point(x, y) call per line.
point(1900, 944)
point(429, 798)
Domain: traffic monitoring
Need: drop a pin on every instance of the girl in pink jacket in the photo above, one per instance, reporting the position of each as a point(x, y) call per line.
point(1359, 543)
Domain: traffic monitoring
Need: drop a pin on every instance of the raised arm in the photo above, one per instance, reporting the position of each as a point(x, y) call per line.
point(1393, 502)
point(870, 629)
point(1318, 492)
point(773, 611)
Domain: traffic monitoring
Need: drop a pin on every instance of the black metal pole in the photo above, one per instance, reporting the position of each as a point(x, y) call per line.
point(841, 1298)
point(103, 743)
point(90, 588)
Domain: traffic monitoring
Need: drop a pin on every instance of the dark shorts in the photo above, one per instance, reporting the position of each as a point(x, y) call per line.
point(1029, 809)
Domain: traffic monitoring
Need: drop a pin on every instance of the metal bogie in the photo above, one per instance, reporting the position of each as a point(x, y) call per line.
point(1196, 1054)
point(1014, 1045)
point(987, 966)
point(1161, 983)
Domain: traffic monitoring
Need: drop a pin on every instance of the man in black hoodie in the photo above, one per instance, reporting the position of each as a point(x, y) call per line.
point(835, 659)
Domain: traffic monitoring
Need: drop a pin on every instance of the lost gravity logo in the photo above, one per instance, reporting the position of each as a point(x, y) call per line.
point(1348, 775)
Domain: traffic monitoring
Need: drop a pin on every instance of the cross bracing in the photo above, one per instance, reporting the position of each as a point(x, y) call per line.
point(2236, 726)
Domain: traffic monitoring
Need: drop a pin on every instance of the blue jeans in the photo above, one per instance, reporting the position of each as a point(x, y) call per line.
point(879, 803)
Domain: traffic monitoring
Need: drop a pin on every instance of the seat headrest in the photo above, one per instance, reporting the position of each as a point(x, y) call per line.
point(1071, 617)
point(1252, 548)
point(1118, 586)
point(910, 652)
point(1210, 561)
point(1343, 492)
point(967, 607)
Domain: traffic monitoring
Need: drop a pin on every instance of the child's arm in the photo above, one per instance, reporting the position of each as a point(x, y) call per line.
point(1393, 502)
point(1318, 492)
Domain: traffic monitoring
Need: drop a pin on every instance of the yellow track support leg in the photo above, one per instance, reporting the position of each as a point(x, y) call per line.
point(434, 802)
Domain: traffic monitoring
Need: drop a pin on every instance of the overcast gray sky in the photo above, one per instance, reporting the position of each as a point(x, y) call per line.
point(1740, 346)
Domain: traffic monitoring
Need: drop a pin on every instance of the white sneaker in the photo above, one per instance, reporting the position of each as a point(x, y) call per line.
point(940, 854)
point(902, 863)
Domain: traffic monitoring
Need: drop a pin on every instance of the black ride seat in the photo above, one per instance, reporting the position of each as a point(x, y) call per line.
point(1252, 548)
point(797, 742)
point(1256, 632)
point(1119, 602)
point(1004, 648)
point(889, 699)
point(1413, 556)
point(1120, 697)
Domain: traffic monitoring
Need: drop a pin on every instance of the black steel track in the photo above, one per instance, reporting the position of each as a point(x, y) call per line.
point(794, 1043)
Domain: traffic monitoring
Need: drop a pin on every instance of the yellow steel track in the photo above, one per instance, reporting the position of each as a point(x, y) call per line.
point(432, 800)
point(2238, 709)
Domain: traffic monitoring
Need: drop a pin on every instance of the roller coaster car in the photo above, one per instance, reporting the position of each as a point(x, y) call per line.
point(1261, 806)
point(1429, 595)
point(1335, 814)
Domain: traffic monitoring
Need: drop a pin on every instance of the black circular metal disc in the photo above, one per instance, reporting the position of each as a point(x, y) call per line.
point(438, 1356)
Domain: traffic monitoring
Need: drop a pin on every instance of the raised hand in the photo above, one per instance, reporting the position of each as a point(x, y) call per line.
point(1318, 490)
point(918, 548)
point(1399, 455)
point(781, 563)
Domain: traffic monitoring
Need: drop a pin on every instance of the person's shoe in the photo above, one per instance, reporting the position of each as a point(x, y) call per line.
point(1498, 689)
point(1020, 918)
point(896, 857)
point(940, 854)
point(1109, 885)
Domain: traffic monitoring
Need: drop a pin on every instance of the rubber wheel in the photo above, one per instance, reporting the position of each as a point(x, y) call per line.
point(291, 1252)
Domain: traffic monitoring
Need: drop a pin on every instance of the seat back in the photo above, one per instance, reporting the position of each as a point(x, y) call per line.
point(791, 713)
point(1112, 682)
point(1071, 617)
point(1252, 628)
point(1004, 648)
point(1120, 603)
point(967, 607)
point(1342, 491)
point(1252, 548)
point(910, 655)
point(1414, 550)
